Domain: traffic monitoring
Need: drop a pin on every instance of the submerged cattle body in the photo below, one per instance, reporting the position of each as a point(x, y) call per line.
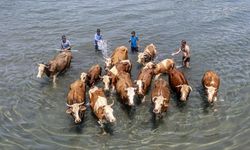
point(76, 98)
point(211, 84)
point(57, 65)
point(120, 53)
point(109, 78)
point(160, 96)
point(164, 67)
point(100, 107)
point(179, 84)
point(125, 89)
point(147, 55)
point(94, 74)
point(143, 81)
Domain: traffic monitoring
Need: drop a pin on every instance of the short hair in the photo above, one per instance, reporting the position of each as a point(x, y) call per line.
point(63, 37)
point(133, 32)
point(98, 30)
point(183, 41)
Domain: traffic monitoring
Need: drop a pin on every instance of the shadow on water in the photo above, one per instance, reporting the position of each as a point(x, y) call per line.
point(77, 128)
point(156, 120)
point(204, 103)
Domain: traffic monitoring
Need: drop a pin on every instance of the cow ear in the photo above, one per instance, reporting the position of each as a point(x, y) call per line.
point(165, 103)
point(154, 99)
point(69, 111)
point(82, 108)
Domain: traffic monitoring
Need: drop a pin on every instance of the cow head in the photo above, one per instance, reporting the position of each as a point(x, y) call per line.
point(108, 63)
point(106, 80)
point(140, 85)
point(83, 76)
point(131, 94)
point(108, 113)
point(210, 90)
point(140, 58)
point(76, 110)
point(185, 90)
point(41, 70)
point(159, 102)
point(149, 65)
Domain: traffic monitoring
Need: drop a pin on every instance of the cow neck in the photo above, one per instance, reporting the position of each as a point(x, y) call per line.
point(47, 72)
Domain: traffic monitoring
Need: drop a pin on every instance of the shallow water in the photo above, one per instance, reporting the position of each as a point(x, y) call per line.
point(32, 112)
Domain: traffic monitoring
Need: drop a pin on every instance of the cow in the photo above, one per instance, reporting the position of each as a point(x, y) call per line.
point(125, 89)
point(94, 74)
point(120, 53)
point(109, 78)
point(163, 67)
point(147, 55)
point(143, 81)
point(59, 64)
point(211, 84)
point(160, 96)
point(179, 84)
point(100, 107)
point(76, 98)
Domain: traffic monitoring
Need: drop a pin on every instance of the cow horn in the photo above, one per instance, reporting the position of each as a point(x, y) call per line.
point(69, 105)
point(112, 103)
point(190, 88)
point(206, 86)
point(81, 103)
point(179, 86)
point(100, 77)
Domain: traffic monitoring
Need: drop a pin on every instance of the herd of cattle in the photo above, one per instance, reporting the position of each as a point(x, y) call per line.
point(118, 78)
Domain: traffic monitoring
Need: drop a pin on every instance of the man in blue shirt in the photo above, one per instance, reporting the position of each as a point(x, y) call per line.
point(98, 37)
point(134, 40)
point(65, 45)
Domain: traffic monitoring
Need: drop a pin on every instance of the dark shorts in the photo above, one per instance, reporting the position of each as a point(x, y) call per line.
point(134, 49)
point(187, 60)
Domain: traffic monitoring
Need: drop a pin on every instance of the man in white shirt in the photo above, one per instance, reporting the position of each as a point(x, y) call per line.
point(97, 38)
point(65, 45)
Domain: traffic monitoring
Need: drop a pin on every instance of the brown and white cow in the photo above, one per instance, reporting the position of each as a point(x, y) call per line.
point(109, 78)
point(100, 107)
point(94, 74)
point(160, 96)
point(125, 89)
point(211, 83)
point(163, 67)
point(76, 98)
point(59, 64)
point(147, 55)
point(143, 81)
point(120, 53)
point(179, 84)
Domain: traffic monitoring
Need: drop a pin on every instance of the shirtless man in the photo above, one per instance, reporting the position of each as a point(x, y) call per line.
point(186, 53)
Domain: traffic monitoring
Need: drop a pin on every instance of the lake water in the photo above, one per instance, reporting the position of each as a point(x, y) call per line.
point(32, 112)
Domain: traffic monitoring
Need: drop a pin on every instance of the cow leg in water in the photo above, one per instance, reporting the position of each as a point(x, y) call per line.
point(102, 127)
point(54, 79)
point(143, 99)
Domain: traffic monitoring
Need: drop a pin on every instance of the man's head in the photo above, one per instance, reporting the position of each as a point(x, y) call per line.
point(63, 38)
point(98, 31)
point(133, 33)
point(183, 42)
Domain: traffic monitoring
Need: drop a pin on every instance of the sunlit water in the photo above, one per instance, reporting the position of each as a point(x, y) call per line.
point(32, 112)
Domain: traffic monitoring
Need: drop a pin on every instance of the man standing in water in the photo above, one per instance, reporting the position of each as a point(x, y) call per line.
point(186, 53)
point(134, 40)
point(65, 45)
point(97, 38)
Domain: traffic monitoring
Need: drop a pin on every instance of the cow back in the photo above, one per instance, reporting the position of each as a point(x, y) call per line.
point(176, 78)
point(161, 88)
point(94, 74)
point(211, 78)
point(76, 92)
point(120, 53)
point(94, 96)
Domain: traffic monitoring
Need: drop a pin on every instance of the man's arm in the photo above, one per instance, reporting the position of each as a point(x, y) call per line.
point(178, 51)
